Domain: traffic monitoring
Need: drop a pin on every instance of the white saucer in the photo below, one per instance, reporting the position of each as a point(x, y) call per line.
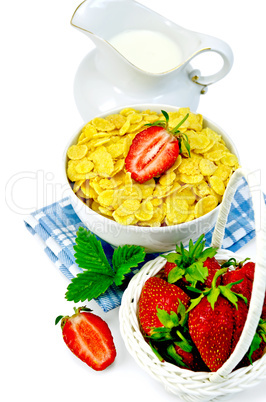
point(94, 94)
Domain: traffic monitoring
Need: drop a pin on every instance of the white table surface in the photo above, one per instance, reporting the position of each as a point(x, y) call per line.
point(40, 55)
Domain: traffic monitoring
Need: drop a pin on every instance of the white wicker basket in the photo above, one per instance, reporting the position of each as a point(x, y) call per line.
point(202, 386)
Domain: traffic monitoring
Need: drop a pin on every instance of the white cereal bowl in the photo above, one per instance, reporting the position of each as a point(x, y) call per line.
point(154, 239)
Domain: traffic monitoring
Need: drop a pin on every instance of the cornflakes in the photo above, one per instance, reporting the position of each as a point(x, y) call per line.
point(193, 186)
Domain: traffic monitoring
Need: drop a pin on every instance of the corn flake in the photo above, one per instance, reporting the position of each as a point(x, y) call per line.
point(205, 205)
point(77, 151)
point(207, 167)
point(217, 184)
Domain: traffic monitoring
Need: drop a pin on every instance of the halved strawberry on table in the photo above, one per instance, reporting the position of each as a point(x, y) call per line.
point(89, 338)
point(155, 149)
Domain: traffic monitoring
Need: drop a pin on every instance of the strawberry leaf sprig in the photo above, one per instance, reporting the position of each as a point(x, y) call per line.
point(175, 131)
point(98, 275)
point(190, 262)
point(173, 334)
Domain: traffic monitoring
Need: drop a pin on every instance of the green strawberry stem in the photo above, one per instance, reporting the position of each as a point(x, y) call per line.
point(233, 262)
point(63, 318)
point(190, 262)
point(175, 131)
point(214, 292)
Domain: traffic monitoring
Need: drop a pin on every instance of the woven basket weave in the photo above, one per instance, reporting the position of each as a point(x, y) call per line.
point(202, 386)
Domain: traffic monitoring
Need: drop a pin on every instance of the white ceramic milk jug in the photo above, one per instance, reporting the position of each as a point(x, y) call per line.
point(139, 57)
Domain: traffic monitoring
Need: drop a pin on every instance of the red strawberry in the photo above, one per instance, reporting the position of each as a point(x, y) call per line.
point(89, 338)
point(157, 293)
point(192, 359)
point(213, 266)
point(216, 320)
point(240, 316)
point(163, 317)
point(153, 150)
point(243, 272)
point(211, 330)
point(168, 268)
point(257, 347)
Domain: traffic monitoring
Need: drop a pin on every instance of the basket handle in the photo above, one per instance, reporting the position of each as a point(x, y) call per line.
point(259, 284)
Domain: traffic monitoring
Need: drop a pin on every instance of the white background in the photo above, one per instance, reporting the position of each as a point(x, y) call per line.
point(40, 54)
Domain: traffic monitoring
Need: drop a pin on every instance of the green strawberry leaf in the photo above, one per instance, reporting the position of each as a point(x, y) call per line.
point(175, 129)
point(181, 311)
point(98, 275)
point(171, 257)
point(195, 302)
point(229, 295)
point(175, 274)
point(160, 334)
point(89, 251)
point(255, 344)
point(58, 319)
point(88, 285)
point(174, 356)
point(208, 252)
point(186, 143)
point(196, 272)
point(155, 351)
point(168, 320)
point(193, 249)
point(213, 296)
point(262, 329)
point(125, 258)
point(184, 345)
point(193, 289)
point(166, 116)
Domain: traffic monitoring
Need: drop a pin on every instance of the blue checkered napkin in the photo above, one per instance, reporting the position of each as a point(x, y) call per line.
point(55, 227)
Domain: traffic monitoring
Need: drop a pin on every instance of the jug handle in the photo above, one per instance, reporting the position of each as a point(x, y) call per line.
point(211, 44)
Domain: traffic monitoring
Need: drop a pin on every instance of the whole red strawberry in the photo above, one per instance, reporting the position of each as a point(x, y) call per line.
point(89, 338)
point(213, 266)
point(244, 272)
point(240, 315)
point(163, 318)
point(257, 347)
point(216, 320)
point(211, 330)
point(157, 293)
point(154, 150)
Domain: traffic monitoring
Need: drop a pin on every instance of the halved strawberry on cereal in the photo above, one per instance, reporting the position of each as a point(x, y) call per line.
point(155, 149)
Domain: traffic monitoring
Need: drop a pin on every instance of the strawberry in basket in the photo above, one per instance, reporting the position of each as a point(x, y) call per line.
point(244, 274)
point(163, 319)
point(216, 319)
point(245, 271)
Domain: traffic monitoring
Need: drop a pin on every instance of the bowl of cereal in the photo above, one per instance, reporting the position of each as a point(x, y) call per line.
point(175, 205)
